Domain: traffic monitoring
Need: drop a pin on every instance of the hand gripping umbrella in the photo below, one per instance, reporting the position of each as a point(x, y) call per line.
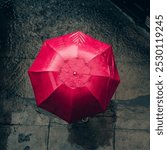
point(74, 76)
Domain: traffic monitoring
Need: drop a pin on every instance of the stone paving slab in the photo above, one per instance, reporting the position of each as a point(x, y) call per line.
point(24, 137)
point(135, 80)
point(133, 116)
point(19, 112)
point(132, 140)
point(58, 139)
point(29, 117)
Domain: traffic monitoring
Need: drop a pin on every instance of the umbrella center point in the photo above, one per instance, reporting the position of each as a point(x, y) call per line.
point(74, 73)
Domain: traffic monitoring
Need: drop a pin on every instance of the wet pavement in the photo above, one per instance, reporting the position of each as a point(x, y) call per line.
point(24, 26)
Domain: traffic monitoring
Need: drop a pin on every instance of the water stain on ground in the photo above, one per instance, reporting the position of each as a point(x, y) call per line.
point(22, 137)
point(27, 148)
point(94, 133)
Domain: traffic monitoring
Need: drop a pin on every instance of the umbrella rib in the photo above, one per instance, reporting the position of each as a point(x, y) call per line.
point(95, 98)
point(50, 47)
point(43, 100)
point(99, 54)
point(105, 76)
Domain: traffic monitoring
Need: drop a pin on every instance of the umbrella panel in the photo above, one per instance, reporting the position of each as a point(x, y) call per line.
point(71, 104)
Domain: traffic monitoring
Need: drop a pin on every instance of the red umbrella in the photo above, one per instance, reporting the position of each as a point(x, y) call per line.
point(74, 76)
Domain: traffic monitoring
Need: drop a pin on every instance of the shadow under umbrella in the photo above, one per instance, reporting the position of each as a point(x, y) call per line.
point(96, 132)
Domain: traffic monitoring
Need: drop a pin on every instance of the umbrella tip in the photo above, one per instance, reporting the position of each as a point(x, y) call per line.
point(74, 73)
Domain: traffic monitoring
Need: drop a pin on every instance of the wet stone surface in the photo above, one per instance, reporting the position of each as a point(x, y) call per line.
point(114, 129)
point(14, 78)
point(129, 139)
point(135, 80)
point(27, 137)
point(133, 114)
point(25, 25)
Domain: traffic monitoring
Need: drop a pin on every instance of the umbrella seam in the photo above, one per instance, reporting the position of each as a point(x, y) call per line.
point(50, 47)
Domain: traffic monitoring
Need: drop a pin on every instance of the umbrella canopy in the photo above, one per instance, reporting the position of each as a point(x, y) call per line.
point(74, 76)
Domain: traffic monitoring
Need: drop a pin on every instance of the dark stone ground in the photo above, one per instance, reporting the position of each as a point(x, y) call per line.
point(24, 25)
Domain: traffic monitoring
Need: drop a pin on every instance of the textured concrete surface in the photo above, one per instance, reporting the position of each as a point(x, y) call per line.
point(27, 137)
point(132, 140)
point(24, 26)
point(131, 110)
